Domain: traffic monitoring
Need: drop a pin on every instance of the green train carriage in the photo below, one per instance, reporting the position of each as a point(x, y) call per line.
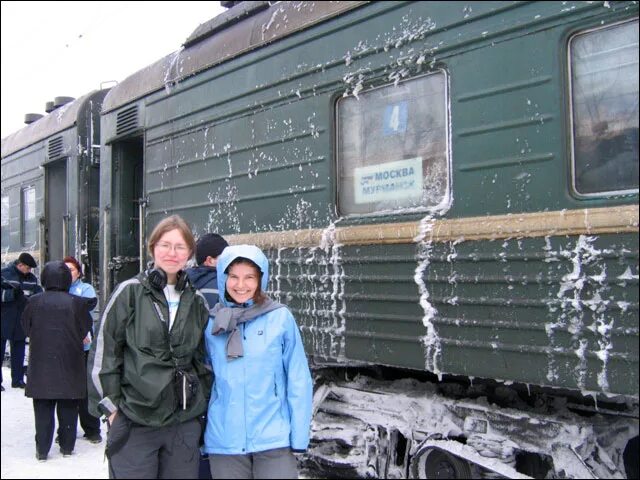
point(50, 184)
point(448, 194)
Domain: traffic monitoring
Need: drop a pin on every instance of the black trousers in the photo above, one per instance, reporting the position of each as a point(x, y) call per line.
point(17, 360)
point(67, 412)
point(89, 423)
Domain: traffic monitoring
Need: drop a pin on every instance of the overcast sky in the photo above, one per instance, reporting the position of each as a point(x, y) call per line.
point(52, 49)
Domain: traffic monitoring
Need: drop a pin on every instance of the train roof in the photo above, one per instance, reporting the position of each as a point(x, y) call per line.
point(58, 120)
point(245, 27)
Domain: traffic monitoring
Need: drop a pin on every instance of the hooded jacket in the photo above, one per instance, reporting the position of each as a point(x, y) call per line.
point(16, 289)
point(56, 322)
point(205, 280)
point(136, 357)
point(261, 400)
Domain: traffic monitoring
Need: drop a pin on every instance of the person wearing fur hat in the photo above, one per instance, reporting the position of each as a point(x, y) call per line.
point(18, 284)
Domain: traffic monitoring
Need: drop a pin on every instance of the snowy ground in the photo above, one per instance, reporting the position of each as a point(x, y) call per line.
point(19, 450)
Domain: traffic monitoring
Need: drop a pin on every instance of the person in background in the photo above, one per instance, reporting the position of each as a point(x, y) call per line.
point(204, 277)
point(56, 322)
point(146, 368)
point(260, 407)
point(90, 424)
point(18, 284)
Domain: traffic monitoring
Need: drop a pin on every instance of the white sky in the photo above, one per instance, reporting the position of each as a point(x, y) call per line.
point(52, 49)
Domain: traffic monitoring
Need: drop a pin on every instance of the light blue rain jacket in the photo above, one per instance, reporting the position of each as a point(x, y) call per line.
point(81, 289)
point(262, 400)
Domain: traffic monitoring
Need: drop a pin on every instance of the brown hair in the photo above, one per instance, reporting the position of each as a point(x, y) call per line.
point(172, 223)
point(258, 296)
point(75, 263)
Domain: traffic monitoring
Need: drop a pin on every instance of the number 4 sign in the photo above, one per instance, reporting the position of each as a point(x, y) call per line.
point(395, 118)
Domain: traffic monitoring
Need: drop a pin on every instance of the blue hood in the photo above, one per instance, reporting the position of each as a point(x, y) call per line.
point(229, 254)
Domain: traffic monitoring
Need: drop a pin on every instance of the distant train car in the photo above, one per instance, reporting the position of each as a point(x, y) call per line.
point(50, 184)
point(448, 193)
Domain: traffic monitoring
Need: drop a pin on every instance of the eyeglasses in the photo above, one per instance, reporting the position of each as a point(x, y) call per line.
point(166, 247)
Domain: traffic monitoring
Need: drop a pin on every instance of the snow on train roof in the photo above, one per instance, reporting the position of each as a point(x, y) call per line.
point(226, 36)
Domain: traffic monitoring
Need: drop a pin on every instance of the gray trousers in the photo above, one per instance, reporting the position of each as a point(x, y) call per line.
point(276, 463)
point(158, 452)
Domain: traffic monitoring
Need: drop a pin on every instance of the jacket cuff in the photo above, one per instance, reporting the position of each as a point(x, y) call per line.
point(106, 407)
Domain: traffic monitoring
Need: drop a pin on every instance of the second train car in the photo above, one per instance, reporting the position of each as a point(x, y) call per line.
point(50, 184)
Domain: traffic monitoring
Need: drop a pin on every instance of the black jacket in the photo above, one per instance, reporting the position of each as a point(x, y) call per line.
point(56, 322)
point(16, 289)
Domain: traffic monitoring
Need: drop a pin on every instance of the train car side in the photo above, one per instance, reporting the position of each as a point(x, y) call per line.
point(443, 198)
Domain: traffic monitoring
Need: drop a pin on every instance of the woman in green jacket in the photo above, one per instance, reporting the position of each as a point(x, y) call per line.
point(147, 372)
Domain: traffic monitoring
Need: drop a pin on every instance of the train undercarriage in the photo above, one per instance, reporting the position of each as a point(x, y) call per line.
point(370, 428)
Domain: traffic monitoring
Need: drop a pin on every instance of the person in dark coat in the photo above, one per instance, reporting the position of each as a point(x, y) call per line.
point(56, 323)
point(204, 277)
point(18, 284)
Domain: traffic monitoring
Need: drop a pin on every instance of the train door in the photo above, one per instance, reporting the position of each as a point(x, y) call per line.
point(56, 220)
point(127, 247)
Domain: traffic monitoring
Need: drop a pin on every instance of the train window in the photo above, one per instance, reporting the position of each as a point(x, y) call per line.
point(5, 221)
point(604, 95)
point(392, 147)
point(29, 222)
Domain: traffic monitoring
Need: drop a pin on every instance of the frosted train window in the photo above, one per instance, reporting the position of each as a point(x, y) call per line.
point(604, 95)
point(5, 222)
point(5, 211)
point(29, 221)
point(392, 147)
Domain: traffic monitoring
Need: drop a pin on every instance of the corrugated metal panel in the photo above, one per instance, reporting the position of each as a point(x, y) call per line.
point(513, 310)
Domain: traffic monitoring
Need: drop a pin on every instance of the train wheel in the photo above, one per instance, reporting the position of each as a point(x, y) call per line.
point(433, 462)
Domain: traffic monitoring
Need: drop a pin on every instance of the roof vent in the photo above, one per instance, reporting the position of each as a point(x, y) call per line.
point(60, 101)
point(48, 107)
point(29, 118)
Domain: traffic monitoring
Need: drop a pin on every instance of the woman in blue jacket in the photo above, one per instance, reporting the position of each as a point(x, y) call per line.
point(260, 407)
point(89, 423)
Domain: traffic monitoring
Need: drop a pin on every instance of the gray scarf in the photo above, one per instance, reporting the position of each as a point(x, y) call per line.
point(227, 320)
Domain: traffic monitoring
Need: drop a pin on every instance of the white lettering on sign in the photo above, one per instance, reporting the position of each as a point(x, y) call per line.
point(400, 180)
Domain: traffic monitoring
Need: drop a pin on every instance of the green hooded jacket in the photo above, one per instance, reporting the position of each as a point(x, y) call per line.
point(135, 357)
